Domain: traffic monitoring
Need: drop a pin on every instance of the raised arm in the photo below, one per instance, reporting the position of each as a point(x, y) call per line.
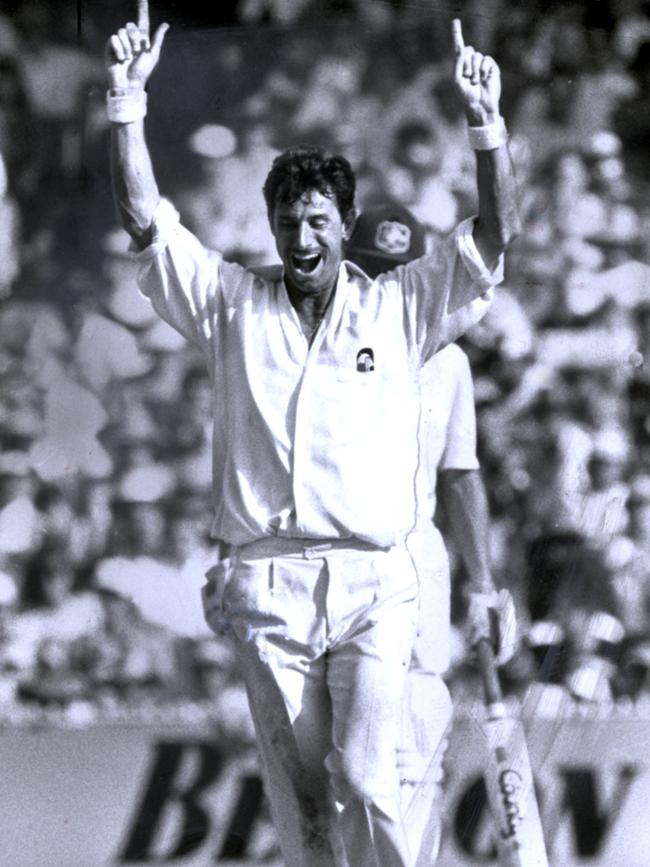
point(478, 82)
point(131, 57)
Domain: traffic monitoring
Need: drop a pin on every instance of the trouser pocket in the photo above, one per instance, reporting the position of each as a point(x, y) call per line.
point(247, 596)
point(212, 594)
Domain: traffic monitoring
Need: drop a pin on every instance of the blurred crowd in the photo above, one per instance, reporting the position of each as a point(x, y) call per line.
point(105, 420)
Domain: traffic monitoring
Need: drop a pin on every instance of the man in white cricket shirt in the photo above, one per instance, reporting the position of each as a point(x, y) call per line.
point(315, 370)
point(384, 237)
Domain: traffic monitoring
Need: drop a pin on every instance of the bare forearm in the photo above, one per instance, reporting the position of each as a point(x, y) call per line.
point(463, 497)
point(134, 183)
point(498, 221)
point(477, 79)
point(131, 57)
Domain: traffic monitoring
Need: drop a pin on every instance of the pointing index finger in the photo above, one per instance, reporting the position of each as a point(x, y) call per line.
point(143, 16)
point(457, 34)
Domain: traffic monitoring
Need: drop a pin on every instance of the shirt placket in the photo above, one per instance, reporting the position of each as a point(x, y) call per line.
point(304, 403)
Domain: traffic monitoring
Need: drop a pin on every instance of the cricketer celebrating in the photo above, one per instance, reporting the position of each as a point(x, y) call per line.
point(314, 369)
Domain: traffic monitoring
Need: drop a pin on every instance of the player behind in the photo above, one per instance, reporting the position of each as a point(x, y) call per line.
point(385, 237)
point(315, 432)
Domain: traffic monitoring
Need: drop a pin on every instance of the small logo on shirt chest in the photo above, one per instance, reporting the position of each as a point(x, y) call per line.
point(365, 360)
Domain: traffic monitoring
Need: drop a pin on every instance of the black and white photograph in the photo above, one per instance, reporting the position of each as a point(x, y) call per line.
point(325, 433)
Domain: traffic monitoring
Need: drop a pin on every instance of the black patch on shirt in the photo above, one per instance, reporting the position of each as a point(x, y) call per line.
point(365, 360)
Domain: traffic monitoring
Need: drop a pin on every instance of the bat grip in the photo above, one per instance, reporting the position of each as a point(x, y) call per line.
point(489, 673)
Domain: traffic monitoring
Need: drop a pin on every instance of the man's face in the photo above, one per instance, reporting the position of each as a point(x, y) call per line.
point(309, 235)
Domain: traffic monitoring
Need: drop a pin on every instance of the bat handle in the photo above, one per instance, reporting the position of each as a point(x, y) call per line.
point(489, 673)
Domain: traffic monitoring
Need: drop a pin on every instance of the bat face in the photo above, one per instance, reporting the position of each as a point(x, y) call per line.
point(511, 796)
point(510, 786)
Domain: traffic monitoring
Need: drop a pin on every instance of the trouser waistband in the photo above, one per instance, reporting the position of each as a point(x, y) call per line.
point(308, 549)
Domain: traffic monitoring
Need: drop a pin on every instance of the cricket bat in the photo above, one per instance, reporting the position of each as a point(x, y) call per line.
point(508, 777)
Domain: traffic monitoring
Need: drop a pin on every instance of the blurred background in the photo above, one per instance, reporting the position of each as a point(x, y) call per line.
point(104, 420)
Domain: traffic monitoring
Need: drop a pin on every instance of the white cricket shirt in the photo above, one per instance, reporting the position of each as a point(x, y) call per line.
point(447, 441)
point(447, 435)
point(314, 441)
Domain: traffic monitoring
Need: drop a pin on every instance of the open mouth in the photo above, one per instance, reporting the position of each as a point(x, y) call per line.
point(305, 264)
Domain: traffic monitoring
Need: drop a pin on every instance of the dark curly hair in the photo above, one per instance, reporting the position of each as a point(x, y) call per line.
point(300, 169)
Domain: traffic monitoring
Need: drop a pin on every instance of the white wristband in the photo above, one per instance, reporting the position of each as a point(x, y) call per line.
point(488, 137)
point(126, 107)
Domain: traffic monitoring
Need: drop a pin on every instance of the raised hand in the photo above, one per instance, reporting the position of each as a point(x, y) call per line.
point(477, 79)
point(131, 55)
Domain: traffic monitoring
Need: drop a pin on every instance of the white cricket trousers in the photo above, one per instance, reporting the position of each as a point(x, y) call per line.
point(427, 707)
point(324, 633)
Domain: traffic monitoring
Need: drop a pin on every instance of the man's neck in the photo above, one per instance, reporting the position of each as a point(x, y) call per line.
point(310, 307)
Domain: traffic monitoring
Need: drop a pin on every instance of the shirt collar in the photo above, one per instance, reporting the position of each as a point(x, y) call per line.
point(347, 272)
point(354, 270)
